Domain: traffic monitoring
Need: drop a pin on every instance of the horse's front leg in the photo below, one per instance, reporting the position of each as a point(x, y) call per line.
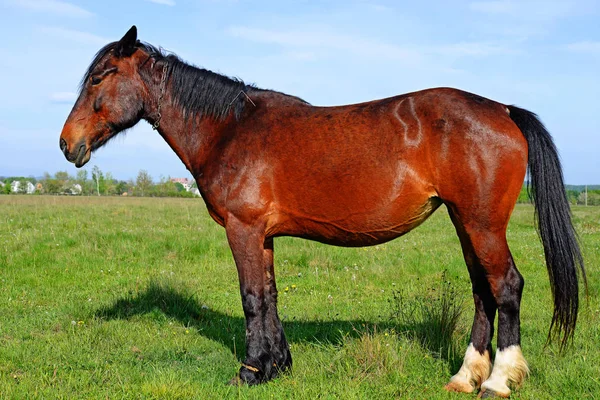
point(267, 351)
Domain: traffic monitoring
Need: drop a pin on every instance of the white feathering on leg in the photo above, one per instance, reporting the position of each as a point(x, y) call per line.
point(510, 369)
point(475, 369)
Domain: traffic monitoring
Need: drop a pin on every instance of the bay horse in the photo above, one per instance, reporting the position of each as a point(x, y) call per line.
point(268, 164)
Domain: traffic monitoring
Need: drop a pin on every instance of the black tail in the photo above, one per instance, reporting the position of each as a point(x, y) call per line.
point(553, 215)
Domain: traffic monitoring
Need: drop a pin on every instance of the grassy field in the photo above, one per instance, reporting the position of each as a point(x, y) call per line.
point(138, 298)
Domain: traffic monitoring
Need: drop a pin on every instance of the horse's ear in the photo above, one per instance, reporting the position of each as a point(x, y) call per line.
point(126, 45)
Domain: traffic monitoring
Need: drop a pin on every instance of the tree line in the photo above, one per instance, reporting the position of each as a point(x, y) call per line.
point(575, 197)
point(96, 183)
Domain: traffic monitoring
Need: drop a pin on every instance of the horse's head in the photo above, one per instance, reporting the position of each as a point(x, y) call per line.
point(111, 99)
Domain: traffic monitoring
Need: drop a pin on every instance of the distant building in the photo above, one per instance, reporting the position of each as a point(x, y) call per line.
point(185, 182)
point(195, 191)
point(16, 187)
point(30, 188)
point(76, 189)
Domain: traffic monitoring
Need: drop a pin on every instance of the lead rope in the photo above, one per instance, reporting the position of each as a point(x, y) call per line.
point(163, 84)
point(250, 367)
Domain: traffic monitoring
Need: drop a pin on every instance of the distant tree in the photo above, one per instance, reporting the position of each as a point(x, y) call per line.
point(11, 179)
point(162, 188)
point(110, 185)
point(143, 182)
point(50, 184)
point(121, 187)
point(62, 176)
point(572, 196)
point(82, 180)
point(6, 188)
point(82, 176)
point(64, 181)
point(130, 186)
point(594, 198)
point(96, 177)
point(102, 184)
point(179, 187)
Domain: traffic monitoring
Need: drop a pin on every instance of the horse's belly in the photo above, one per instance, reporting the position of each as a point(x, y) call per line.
point(360, 229)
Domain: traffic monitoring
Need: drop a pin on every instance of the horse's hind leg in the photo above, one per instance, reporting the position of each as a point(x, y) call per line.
point(510, 368)
point(477, 363)
point(497, 285)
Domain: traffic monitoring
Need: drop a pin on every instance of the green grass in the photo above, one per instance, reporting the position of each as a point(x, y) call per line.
point(138, 298)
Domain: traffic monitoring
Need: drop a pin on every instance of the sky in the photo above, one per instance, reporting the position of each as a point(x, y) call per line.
point(542, 55)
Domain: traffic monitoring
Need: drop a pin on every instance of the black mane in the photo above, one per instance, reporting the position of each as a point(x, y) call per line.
point(198, 91)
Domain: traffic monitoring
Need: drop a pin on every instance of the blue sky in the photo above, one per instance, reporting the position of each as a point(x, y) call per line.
point(541, 55)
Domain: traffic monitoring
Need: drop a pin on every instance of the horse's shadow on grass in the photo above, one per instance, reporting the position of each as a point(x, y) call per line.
point(230, 330)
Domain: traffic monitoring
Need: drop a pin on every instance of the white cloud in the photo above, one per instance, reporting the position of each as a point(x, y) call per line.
point(304, 45)
point(163, 2)
point(54, 7)
point(63, 97)
point(326, 40)
point(587, 47)
point(73, 35)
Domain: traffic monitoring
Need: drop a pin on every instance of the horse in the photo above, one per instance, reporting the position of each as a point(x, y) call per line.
point(268, 164)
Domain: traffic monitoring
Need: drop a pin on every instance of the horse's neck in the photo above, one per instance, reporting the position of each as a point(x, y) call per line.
point(192, 139)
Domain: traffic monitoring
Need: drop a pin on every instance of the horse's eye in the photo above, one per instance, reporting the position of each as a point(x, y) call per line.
point(95, 80)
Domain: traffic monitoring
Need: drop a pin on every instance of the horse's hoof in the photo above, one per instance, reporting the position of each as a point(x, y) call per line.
point(243, 379)
point(251, 377)
point(490, 394)
point(457, 386)
point(248, 375)
point(236, 381)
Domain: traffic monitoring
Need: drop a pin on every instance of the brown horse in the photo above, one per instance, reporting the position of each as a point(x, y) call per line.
point(268, 164)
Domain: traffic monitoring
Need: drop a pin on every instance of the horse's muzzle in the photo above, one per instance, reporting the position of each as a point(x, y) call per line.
point(80, 154)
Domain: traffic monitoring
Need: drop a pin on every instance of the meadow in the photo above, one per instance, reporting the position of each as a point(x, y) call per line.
point(126, 298)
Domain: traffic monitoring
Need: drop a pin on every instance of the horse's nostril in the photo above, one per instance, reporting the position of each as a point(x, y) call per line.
point(63, 146)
